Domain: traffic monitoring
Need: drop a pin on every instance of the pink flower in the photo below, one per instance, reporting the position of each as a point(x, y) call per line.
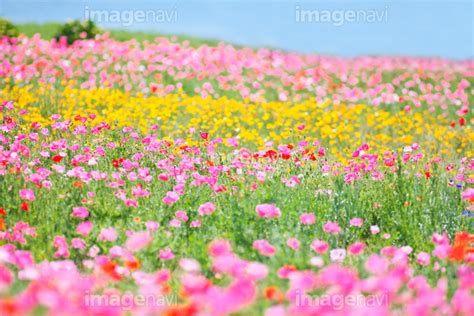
point(219, 247)
point(84, 228)
point(468, 195)
point(264, 248)
point(319, 246)
point(182, 216)
point(138, 241)
point(206, 209)
point(374, 229)
point(27, 194)
point(108, 234)
point(61, 243)
point(151, 225)
point(293, 243)
point(268, 211)
point(356, 222)
point(195, 224)
point(439, 239)
point(356, 248)
point(423, 258)
point(442, 251)
point(285, 271)
point(376, 264)
point(338, 255)
point(131, 203)
point(80, 212)
point(78, 243)
point(189, 265)
point(331, 228)
point(316, 261)
point(166, 254)
point(171, 197)
point(307, 218)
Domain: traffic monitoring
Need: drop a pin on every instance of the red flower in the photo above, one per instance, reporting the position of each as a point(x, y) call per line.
point(270, 154)
point(462, 121)
point(204, 135)
point(57, 158)
point(109, 268)
point(115, 163)
point(24, 206)
point(3, 212)
point(461, 246)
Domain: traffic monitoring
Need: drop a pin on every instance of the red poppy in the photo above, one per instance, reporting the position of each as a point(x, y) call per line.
point(77, 184)
point(57, 158)
point(270, 154)
point(109, 268)
point(461, 246)
point(133, 264)
point(272, 293)
point(182, 310)
point(3, 212)
point(24, 206)
point(115, 163)
point(462, 121)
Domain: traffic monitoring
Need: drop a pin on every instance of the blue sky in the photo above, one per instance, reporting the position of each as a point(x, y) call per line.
point(414, 28)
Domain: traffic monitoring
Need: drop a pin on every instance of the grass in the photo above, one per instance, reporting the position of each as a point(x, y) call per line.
point(49, 31)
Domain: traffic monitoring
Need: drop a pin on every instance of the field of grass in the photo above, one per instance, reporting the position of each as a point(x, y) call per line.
point(50, 30)
point(165, 177)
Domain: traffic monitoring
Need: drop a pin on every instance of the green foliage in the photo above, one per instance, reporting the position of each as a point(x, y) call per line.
point(76, 30)
point(7, 28)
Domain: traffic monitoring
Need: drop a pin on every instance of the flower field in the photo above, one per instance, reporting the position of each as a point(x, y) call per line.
point(159, 178)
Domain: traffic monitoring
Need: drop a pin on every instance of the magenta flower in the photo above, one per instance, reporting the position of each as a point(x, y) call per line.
point(307, 218)
point(166, 254)
point(27, 194)
point(264, 248)
point(268, 211)
point(171, 197)
point(137, 241)
point(206, 209)
point(331, 228)
point(84, 228)
point(356, 248)
point(219, 247)
point(108, 234)
point(423, 259)
point(468, 195)
point(319, 246)
point(356, 222)
point(80, 212)
point(78, 243)
point(293, 243)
